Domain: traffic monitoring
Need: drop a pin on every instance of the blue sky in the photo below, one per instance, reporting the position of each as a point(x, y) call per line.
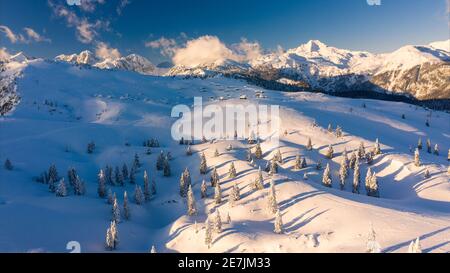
point(128, 25)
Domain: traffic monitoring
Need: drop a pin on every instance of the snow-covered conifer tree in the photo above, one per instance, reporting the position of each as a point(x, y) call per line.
point(319, 165)
point(372, 245)
point(361, 150)
point(216, 153)
point(356, 177)
point(329, 152)
point(217, 194)
point(417, 158)
point(259, 181)
point(101, 190)
point(147, 190)
point(183, 185)
point(166, 167)
point(330, 128)
point(428, 146)
point(278, 224)
point(232, 171)
point(377, 149)
point(61, 190)
point(153, 249)
point(126, 208)
point(248, 156)
point(415, 246)
point(436, 149)
point(368, 179)
point(115, 211)
point(217, 222)
point(188, 150)
point(273, 169)
point(204, 189)
point(374, 191)
point(235, 193)
point(132, 175)
point(118, 177)
point(79, 186)
point(228, 220)
point(369, 158)
point(160, 161)
point(214, 177)
point(8, 165)
point(125, 174)
point(297, 162)
point(272, 198)
point(419, 143)
point(326, 178)
point(203, 165)
point(192, 208)
point(343, 173)
point(427, 174)
point(208, 233)
point(139, 197)
point(303, 163)
point(258, 151)
point(110, 196)
point(352, 160)
point(136, 162)
point(279, 157)
point(309, 146)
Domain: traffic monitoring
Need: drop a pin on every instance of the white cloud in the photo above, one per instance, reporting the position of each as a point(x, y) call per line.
point(90, 5)
point(86, 31)
point(122, 5)
point(103, 51)
point(167, 46)
point(209, 49)
point(30, 35)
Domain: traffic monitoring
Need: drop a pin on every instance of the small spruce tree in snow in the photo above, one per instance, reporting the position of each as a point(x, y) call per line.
point(361, 150)
point(377, 149)
point(126, 208)
point(53, 174)
point(139, 197)
point(110, 198)
point(90, 147)
point(272, 198)
point(136, 162)
point(228, 220)
point(101, 190)
point(153, 249)
point(160, 161)
point(417, 158)
point(338, 131)
point(214, 177)
point(279, 157)
point(428, 146)
point(112, 236)
point(309, 146)
point(297, 162)
point(352, 160)
point(208, 233)
point(369, 158)
point(356, 177)
point(303, 163)
point(108, 175)
point(232, 171)
point(132, 175)
point(368, 180)
point(217, 194)
point(278, 224)
point(8, 165)
point(273, 169)
point(204, 189)
point(415, 247)
point(419, 143)
point(436, 149)
point(182, 185)
point(319, 165)
point(372, 245)
point(258, 151)
point(118, 177)
point(61, 190)
point(259, 181)
point(427, 174)
point(192, 208)
point(374, 191)
point(235, 193)
point(115, 211)
point(166, 167)
point(230, 147)
point(217, 222)
point(203, 165)
point(79, 187)
point(216, 153)
point(343, 173)
point(330, 128)
point(147, 190)
point(329, 152)
point(326, 178)
point(188, 150)
point(125, 174)
point(248, 156)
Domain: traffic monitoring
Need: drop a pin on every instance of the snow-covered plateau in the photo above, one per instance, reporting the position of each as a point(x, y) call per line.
point(84, 121)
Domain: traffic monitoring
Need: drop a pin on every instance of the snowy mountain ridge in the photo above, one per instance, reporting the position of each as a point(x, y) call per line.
point(332, 69)
point(132, 62)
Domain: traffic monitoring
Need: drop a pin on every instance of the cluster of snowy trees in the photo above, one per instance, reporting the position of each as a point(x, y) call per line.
point(151, 143)
point(371, 182)
point(434, 150)
point(58, 185)
point(214, 226)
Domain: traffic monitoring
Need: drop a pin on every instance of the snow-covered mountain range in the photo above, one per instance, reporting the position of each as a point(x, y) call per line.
point(420, 71)
point(132, 62)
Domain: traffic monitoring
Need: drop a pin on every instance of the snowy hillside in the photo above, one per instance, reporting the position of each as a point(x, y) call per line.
point(64, 109)
point(332, 69)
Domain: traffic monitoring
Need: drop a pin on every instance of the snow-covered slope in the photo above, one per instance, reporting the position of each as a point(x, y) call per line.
point(337, 70)
point(64, 107)
point(132, 62)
